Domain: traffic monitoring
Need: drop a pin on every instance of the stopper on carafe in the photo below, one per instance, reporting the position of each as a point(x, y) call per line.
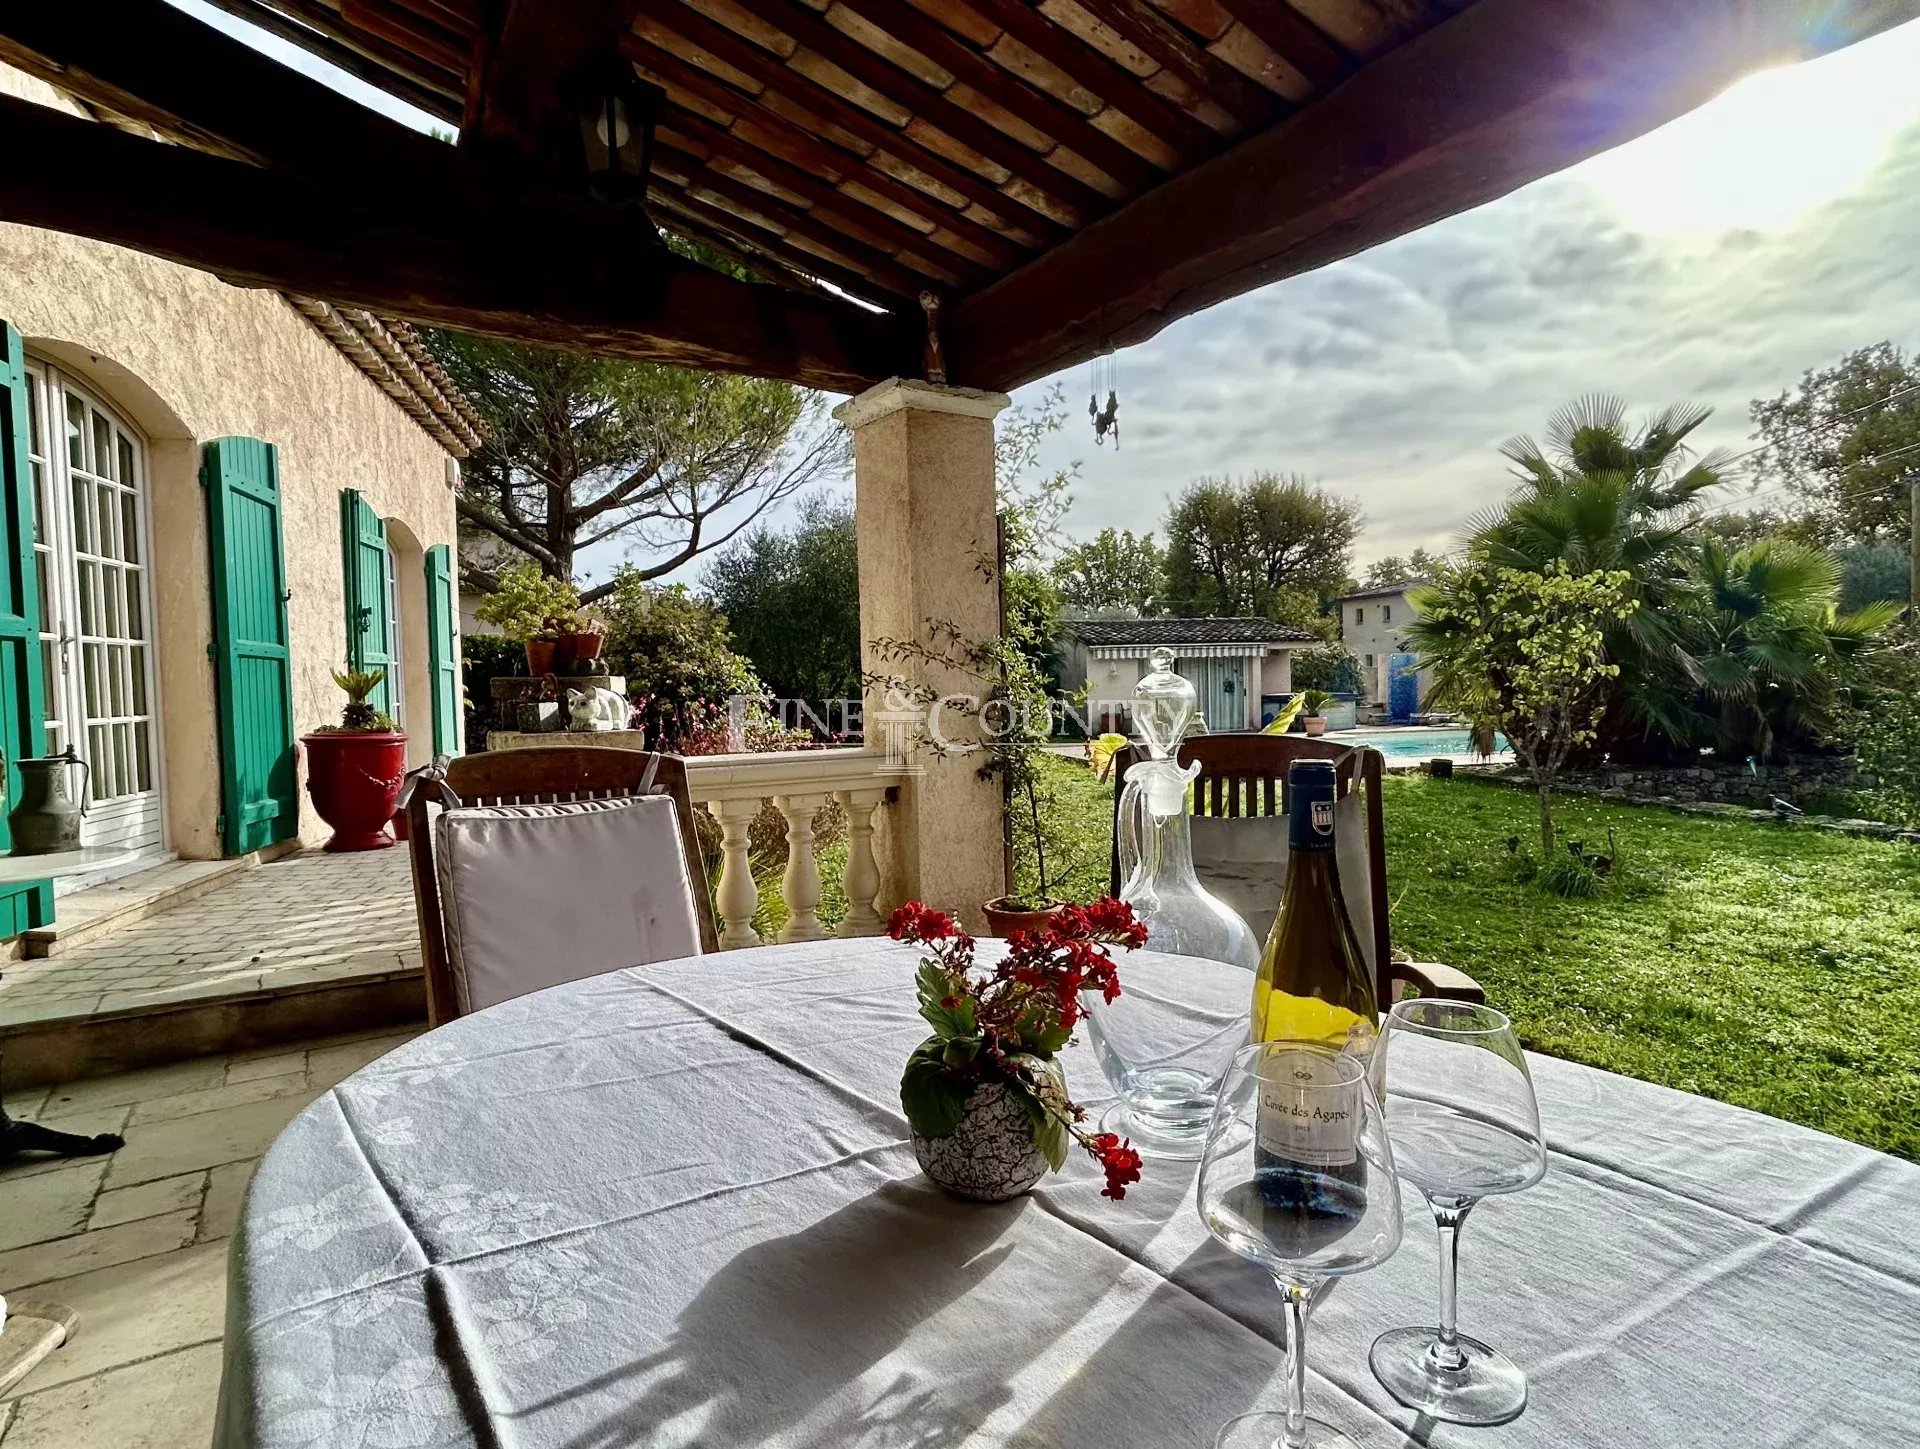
point(1163, 706)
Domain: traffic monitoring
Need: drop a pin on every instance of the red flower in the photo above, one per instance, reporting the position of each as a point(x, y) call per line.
point(1118, 1159)
point(915, 922)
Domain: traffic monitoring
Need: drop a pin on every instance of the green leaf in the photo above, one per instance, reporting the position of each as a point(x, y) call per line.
point(932, 1098)
point(1049, 1131)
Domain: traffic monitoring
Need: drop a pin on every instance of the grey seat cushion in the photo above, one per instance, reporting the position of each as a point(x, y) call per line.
point(534, 895)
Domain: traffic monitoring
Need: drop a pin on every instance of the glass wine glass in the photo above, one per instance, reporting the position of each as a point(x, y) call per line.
point(1465, 1126)
point(1297, 1176)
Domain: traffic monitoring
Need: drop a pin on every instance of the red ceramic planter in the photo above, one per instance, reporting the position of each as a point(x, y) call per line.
point(354, 778)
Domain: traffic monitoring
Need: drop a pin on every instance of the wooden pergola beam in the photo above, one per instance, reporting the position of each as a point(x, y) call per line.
point(1503, 93)
point(528, 273)
point(318, 30)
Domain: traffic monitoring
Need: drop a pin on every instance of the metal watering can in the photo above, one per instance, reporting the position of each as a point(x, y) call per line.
point(47, 816)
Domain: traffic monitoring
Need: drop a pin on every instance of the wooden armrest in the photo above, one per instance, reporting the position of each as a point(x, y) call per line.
point(1430, 978)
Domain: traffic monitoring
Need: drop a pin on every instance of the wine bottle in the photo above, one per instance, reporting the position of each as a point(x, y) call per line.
point(1313, 984)
point(1314, 992)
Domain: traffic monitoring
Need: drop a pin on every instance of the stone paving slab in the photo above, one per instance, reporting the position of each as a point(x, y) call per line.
point(136, 1242)
point(293, 923)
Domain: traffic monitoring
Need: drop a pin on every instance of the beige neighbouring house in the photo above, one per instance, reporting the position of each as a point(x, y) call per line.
point(1373, 624)
point(135, 390)
point(1232, 663)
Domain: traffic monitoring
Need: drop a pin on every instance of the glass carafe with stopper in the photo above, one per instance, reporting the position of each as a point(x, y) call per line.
point(1166, 1065)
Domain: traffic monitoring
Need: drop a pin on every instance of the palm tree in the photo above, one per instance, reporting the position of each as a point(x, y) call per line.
point(1604, 495)
point(1778, 658)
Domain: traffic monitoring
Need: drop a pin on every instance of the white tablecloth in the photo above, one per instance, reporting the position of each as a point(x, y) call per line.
point(675, 1206)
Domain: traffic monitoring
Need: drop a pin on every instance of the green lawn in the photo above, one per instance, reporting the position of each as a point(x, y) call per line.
point(1778, 968)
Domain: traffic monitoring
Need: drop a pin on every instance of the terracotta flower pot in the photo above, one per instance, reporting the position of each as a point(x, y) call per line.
point(1314, 724)
point(1002, 917)
point(576, 649)
point(540, 655)
point(354, 777)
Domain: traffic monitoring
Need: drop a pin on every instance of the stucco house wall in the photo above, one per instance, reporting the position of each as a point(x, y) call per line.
point(1374, 626)
point(188, 358)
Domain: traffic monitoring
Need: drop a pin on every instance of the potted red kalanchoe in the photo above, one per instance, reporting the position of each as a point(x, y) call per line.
point(984, 1094)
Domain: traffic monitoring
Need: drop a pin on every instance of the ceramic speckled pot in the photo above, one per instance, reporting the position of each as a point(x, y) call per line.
point(991, 1155)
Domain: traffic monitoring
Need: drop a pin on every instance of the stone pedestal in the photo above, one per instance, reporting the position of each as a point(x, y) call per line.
point(928, 544)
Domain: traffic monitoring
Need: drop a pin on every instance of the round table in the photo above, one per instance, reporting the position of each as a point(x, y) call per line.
point(675, 1206)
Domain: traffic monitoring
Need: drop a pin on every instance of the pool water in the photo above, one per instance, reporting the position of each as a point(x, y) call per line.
point(1421, 744)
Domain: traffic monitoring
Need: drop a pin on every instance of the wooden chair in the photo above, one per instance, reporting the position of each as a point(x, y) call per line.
point(1243, 776)
point(534, 777)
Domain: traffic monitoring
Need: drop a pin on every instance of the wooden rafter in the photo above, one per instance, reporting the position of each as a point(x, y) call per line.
point(712, 220)
point(821, 111)
point(1295, 39)
point(1144, 27)
point(319, 31)
point(803, 149)
point(1390, 150)
point(1043, 112)
point(763, 210)
point(865, 223)
point(156, 65)
point(1112, 82)
point(908, 91)
point(524, 272)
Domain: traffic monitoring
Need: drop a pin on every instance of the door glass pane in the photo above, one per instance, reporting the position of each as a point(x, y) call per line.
point(102, 786)
point(122, 775)
point(138, 660)
point(46, 605)
point(36, 444)
point(116, 684)
point(142, 756)
point(104, 458)
point(76, 432)
point(124, 446)
point(113, 594)
point(107, 520)
point(135, 629)
point(82, 534)
point(86, 573)
point(129, 526)
point(92, 669)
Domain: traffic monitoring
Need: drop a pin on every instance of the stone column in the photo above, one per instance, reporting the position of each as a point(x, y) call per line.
point(925, 518)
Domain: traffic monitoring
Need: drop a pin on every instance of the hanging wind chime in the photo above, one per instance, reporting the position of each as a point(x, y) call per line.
point(1106, 376)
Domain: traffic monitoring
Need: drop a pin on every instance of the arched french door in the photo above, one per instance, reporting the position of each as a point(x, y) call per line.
point(96, 607)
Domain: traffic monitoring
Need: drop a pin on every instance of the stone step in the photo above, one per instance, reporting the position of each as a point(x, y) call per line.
point(89, 914)
point(37, 1053)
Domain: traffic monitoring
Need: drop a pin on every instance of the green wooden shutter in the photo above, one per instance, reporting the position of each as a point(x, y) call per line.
point(443, 654)
point(363, 538)
point(22, 702)
point(253, 669)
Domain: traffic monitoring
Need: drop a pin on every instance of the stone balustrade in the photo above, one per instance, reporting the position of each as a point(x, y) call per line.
point(800, 784)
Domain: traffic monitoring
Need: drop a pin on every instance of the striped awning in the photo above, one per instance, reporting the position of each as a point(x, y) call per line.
point(1252, 650)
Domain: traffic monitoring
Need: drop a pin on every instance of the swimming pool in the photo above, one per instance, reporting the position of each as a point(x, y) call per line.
point(1420, 744)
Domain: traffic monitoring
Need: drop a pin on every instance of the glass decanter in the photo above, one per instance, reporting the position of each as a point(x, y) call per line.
point(1166, 1067)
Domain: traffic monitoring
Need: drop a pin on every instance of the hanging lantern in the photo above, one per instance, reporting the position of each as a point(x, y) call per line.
point(617, 113)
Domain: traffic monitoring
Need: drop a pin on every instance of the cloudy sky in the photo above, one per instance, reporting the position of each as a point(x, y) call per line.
point(1713, 261)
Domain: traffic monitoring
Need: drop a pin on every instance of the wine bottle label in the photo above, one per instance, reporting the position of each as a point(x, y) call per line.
point(1299, 1121)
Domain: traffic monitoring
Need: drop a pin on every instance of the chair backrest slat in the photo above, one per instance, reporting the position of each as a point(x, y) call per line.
point(540, 776)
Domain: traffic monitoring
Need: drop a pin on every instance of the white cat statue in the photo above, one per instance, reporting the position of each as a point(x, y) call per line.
point(594, 708)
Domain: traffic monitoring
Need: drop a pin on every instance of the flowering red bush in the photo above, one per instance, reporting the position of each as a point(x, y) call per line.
point(1005, 1023)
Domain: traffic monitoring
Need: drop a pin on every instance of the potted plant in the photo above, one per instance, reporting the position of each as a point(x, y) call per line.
point(1016, 720)
point(579, 638)
point(984, 1094)
point(354, 768)
point(1312, 701)
point(531, 609)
